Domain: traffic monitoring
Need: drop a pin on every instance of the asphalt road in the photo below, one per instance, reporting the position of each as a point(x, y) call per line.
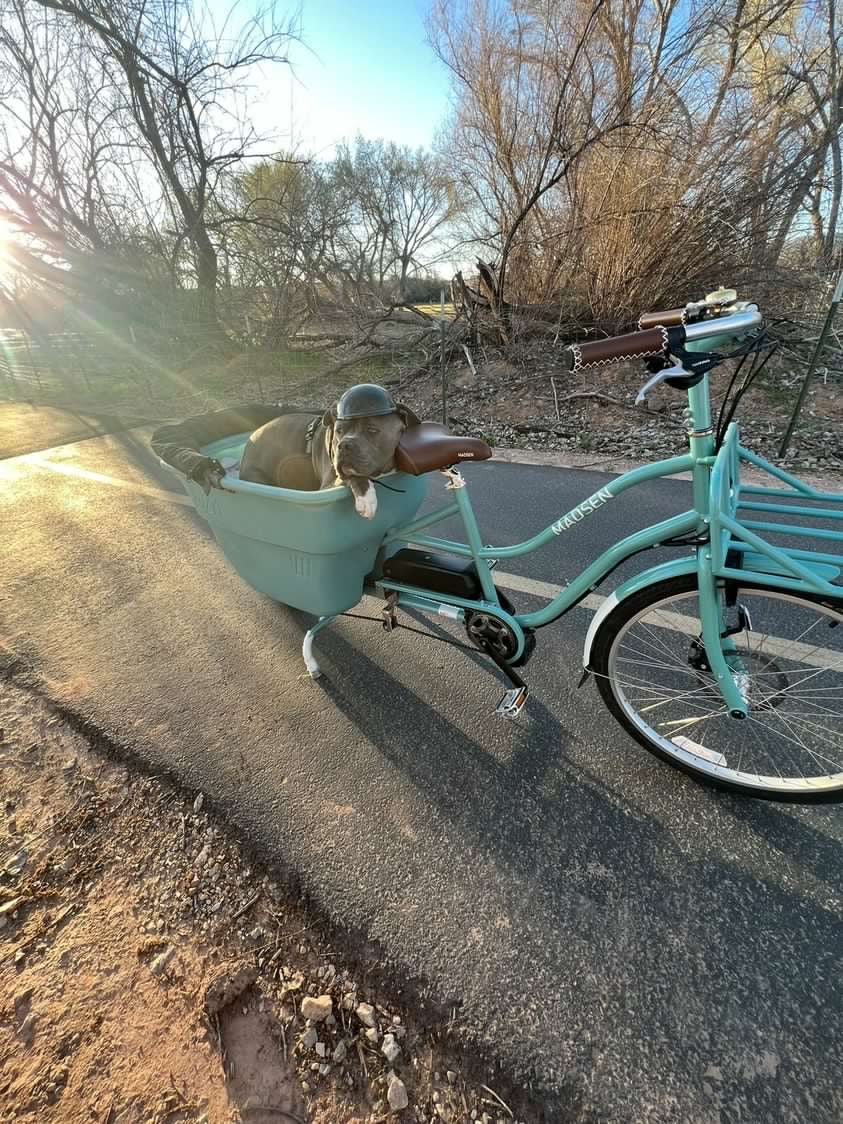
point(26, 428)
point(649, 949)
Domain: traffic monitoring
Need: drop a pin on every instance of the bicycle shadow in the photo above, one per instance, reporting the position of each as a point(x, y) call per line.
point(527, 770)
point(783, 827)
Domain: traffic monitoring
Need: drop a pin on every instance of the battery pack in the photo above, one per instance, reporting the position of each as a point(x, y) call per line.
point(440, 573)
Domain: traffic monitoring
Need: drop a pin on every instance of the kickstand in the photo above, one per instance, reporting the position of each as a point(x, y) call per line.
point(388, 612)
point(307, 646)
point(513, 700)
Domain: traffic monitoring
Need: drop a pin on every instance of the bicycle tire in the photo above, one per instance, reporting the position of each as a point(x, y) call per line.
point(607, 642)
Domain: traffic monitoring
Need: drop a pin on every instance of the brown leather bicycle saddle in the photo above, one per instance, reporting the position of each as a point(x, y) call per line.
point(429, 446)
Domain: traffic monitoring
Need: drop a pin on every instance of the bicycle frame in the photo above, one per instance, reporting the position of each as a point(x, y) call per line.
point(686, 523)
point(691, 522)
point(717, 496)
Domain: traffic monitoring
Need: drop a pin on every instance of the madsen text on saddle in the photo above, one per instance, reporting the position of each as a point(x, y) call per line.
point(726, 661)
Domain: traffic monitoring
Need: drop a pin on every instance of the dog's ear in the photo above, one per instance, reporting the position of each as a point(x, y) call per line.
point(329, 417)
point(407, 416)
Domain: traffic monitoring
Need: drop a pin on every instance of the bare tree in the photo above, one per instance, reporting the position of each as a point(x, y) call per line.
point(812, 88)
point(345, 236)
point(530, 106)
point(615, 154)
point(404, 195)
point(125, 120)
point(279, 244)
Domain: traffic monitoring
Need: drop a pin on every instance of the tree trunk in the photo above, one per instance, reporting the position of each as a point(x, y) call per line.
point(834, 209)
point(207, 270)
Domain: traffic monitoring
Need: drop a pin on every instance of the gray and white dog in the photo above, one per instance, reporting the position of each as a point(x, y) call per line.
point(351, 444)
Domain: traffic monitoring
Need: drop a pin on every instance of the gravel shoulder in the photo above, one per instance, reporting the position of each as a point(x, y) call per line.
point(151, 971)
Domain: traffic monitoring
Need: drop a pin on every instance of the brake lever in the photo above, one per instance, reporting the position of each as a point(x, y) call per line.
point(657, 379)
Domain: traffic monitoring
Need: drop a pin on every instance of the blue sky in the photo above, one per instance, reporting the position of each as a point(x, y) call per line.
point(363, 66)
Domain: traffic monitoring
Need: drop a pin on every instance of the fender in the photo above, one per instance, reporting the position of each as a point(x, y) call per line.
point(675, 569)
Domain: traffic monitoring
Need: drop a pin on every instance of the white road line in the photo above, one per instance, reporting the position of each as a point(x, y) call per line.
point(674, 622)
point(808, 654)
point(546, 590)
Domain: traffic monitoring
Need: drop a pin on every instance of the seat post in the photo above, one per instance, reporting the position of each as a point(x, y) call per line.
point(454, 477)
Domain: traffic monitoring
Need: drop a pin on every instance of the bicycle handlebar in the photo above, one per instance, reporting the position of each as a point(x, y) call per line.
point(670, 318)
point(735, 324)
point(633, 345)
point(657, 340)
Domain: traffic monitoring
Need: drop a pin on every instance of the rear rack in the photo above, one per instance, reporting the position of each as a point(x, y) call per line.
point(737, 545)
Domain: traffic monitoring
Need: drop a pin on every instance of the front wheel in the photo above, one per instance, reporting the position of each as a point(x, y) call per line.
point(653, 677)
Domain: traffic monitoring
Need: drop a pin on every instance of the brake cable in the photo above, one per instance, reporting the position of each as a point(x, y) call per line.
point(751, 375)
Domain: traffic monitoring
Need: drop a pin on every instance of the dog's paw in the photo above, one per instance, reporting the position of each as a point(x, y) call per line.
point(366, 503)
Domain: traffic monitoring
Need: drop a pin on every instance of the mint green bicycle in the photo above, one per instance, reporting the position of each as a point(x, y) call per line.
point(727, 662)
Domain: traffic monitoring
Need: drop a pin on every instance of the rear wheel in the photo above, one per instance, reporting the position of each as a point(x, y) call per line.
point(653, 676)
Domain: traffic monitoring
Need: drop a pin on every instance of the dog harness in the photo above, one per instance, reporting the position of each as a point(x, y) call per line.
point(310, 433)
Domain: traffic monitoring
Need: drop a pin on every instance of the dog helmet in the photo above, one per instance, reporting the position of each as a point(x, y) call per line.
point(365, 401)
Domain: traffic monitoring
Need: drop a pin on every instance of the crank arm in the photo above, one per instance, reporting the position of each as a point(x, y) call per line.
point(513, 700)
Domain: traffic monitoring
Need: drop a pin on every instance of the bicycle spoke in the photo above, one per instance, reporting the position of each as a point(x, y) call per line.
point(677, 728)
point(793, 685)
point(810, 728)
point(797, 742)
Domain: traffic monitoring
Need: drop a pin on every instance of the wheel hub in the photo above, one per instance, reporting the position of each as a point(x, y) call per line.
point(768, 693)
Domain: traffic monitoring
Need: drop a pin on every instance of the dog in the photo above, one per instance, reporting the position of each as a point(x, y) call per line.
point(352, 443)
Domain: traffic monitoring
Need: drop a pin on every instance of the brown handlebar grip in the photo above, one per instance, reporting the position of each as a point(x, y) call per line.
point(669, 318)
point(634, 345)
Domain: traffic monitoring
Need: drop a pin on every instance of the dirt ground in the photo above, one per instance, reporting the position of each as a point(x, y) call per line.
point(535, 404)
point(151, 973)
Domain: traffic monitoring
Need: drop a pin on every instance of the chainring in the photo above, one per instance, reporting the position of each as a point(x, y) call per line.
point(488, 632)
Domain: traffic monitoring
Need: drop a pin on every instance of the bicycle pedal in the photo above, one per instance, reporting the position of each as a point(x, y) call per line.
point(512, 703)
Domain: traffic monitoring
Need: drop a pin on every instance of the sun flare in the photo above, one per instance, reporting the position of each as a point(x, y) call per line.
point(5, 239)
point(9, 269)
